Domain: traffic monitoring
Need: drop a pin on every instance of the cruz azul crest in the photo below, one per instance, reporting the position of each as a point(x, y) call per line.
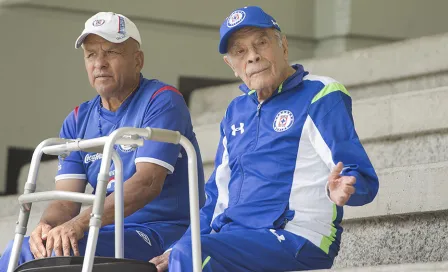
point(283, 121)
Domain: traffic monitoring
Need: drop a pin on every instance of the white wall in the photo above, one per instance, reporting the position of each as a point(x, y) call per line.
point(42, 76)
point(294, 15)
point(399, 18)
point(344, 25)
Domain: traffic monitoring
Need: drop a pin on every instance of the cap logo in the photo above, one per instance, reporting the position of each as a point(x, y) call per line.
point(235, 18)
point(121, 25)
point(98, 22)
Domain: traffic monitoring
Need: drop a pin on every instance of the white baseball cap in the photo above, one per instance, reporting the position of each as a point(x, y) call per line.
point(111, 26)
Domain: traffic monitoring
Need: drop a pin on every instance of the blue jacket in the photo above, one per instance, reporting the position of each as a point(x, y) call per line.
point(274, 159)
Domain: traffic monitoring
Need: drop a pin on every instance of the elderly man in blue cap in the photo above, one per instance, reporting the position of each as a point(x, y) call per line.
point(288, 160)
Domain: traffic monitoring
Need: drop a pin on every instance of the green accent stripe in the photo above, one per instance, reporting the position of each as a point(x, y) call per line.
point(332, 87)
point(280, 88)
point(328, 240)
point(206, 262)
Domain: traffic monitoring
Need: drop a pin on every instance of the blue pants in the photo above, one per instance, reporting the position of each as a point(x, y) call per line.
point(251, 250)
point(141, 242)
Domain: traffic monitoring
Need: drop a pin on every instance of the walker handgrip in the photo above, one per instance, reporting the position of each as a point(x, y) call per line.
point(163, 135)
point(136, 142)
point(56, 195)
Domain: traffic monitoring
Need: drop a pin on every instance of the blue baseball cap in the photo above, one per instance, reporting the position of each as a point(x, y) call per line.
point(243, 17)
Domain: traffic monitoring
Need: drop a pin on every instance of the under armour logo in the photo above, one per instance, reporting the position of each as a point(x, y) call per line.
point(274, 22)
point(279, 237)
point(235, 129)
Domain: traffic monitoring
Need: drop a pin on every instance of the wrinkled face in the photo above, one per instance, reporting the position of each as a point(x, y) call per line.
point(112, 67)
point(256, 56)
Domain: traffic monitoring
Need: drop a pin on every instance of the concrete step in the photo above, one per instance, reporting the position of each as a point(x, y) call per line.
point(395, 239)
point(409, 65)
point(405, 190)
point(408, 150)
point(410, 267)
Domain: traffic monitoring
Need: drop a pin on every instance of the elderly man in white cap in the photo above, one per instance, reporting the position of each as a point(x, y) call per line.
point(156, 182)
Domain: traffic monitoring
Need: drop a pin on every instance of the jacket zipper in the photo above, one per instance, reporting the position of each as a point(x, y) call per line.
point(259, 113)
point(258, 125)
point(258, 109)
point(256, 139)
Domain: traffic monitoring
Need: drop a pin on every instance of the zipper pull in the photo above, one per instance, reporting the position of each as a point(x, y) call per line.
point(258, 109)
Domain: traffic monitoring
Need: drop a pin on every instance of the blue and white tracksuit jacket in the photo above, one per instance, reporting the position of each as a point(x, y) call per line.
point(274, 159)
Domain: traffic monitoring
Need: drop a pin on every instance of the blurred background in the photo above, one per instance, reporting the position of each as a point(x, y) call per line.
point(390, 54)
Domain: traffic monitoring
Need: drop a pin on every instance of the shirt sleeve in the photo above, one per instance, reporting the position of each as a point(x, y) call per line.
point(331, 115)
point(167, 110)
point(70, 167)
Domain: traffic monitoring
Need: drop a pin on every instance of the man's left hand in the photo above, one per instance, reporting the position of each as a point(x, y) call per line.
point(161, 262)
point(63, 238)
point(340, 187)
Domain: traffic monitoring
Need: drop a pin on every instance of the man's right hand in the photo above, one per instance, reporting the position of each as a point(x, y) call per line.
point(57, 213)
point(37, 238)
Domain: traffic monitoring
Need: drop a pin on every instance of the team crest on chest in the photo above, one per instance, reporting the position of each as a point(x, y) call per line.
point(127, 148)
point(283, 121)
